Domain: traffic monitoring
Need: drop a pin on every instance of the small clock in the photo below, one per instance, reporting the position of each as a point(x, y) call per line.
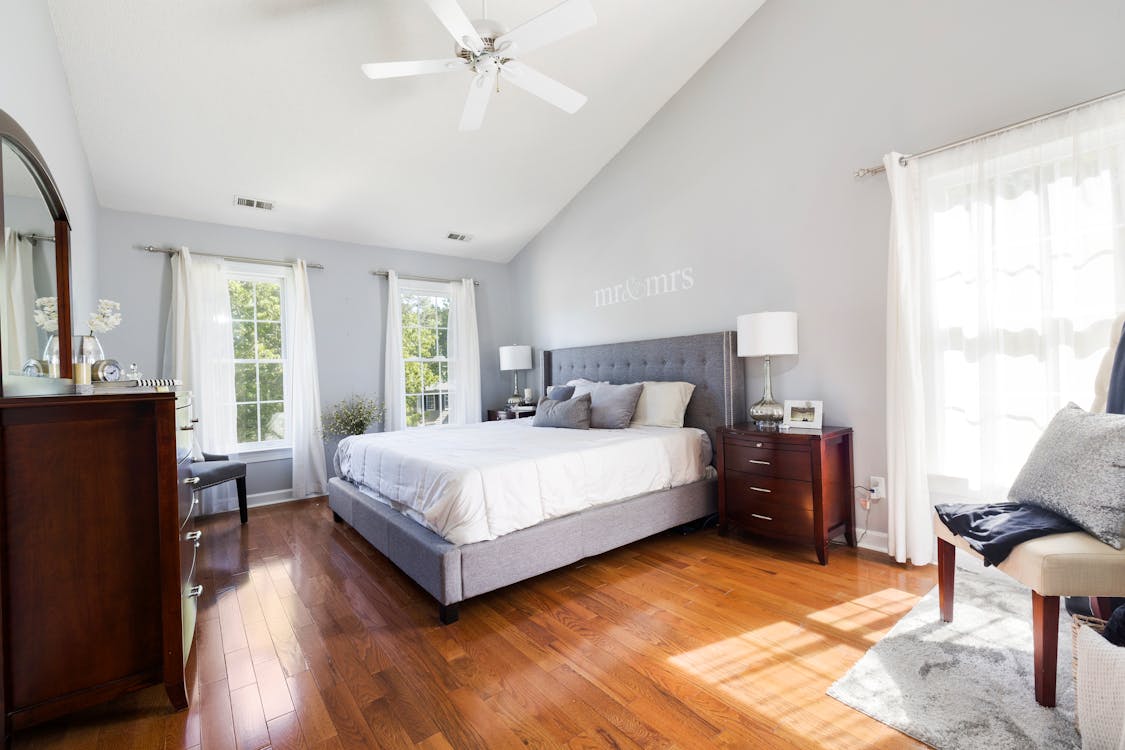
point(35, 368)
point(106, 371)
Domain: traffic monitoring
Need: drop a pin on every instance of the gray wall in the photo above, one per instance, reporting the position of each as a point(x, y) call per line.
point(349, 304)
point(745, 176)
point(34, 91)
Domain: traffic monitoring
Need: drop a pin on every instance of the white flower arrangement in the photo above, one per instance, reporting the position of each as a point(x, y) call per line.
point(106, 317)
point(47, 314)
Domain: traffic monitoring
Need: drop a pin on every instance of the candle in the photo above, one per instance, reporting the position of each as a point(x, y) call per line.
point(81, 373)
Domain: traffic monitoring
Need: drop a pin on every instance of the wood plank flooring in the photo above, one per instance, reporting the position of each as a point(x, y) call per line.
point(309, 638)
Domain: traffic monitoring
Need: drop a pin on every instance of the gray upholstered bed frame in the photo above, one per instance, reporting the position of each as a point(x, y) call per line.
point(452, 573)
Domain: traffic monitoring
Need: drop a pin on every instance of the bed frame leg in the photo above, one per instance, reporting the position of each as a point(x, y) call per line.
point(337, 517)
point(448, 613)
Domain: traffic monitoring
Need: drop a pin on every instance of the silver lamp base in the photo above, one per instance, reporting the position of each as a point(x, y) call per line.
point(767, 414)
point(515, 400)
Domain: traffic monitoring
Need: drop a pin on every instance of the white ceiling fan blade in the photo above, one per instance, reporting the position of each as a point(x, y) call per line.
point(546, 88)
point(561, 21)
point(412, 68)
point(480, 91)
point(457, 23)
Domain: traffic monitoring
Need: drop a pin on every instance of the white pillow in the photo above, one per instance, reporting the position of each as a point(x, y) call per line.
point(662, 404)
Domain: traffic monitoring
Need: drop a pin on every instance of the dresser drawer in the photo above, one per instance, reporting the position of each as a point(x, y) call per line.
point(769, 459)
point(189, 590)
point(743, 489)
point(184, 490)
point(185, 424)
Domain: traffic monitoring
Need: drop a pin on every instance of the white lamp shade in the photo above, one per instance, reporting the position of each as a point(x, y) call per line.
point(767, 334)
point(515, 358)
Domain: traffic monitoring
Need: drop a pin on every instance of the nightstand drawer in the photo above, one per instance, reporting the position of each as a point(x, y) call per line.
point(743, 489)
point(773, 519)
point(769, 459)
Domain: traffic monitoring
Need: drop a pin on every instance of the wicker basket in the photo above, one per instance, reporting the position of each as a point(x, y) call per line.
point(1078, 622)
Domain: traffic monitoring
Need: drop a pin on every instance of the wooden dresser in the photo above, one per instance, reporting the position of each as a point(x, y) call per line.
point(794, 485)
point(98, 548)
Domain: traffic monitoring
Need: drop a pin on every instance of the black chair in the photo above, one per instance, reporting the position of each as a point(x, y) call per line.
point(215, 469)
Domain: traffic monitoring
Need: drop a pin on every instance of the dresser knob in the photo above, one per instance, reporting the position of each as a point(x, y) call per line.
point(193, 536)
point(760, 489)
point(195, 591)
point(191, 480)
point(757, 445)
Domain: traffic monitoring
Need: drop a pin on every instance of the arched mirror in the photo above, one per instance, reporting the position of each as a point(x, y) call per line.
point(35, 323)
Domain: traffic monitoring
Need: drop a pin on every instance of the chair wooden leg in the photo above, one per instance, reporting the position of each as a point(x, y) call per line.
point(1045, 617)
point(946, 564)
point(1101, 607)
point(240, 484)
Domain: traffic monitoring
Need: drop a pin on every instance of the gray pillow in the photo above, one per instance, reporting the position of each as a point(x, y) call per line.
point(573, 414)
point(612, 406)
point(1077, 470)
point(560, 392)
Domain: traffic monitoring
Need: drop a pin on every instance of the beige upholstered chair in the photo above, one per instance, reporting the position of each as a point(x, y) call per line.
point(1074, 564)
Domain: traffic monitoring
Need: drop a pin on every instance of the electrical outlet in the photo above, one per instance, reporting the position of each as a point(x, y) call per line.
point(878, 488)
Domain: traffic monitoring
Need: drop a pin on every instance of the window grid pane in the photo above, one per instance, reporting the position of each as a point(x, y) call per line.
point(259, 368)
point(425, 336)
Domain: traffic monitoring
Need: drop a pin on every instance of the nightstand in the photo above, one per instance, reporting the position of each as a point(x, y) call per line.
point(794, 485)
point(495, 415)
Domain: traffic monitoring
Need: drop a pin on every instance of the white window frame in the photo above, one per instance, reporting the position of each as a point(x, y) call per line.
point(426, 289)
point(276, 449)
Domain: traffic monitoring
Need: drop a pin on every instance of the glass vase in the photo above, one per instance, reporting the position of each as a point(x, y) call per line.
point(51, 356)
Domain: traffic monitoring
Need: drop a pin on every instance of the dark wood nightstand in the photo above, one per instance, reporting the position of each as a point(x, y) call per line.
point(794, 485)
point(495, 415)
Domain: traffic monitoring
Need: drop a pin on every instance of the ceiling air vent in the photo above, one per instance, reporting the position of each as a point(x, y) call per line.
point(460, 237)
point(252, 203)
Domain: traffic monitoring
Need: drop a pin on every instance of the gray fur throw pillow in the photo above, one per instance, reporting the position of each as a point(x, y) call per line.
point(1077, 470)
point(573, 414)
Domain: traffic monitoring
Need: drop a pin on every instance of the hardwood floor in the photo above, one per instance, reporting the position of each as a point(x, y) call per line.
point(308, 638)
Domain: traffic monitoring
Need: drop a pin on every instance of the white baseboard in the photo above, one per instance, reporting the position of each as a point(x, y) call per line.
point(873, 540)
point(258, 499)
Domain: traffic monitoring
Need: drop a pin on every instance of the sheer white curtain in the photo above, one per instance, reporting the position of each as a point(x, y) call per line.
point(394, 386)
point(464, 354)
point(1006, 270)
point(18, 334)
point(199, 349)
point(303, 386)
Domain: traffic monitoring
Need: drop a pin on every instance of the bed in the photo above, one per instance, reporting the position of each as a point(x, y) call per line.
point(452, 572)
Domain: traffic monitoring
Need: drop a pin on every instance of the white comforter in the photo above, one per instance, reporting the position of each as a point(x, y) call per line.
point(476, 482)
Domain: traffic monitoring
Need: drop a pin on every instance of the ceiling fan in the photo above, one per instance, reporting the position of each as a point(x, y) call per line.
point(490, 52)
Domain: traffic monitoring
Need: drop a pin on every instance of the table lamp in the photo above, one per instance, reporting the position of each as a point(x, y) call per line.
point(515, 358)
point(767, 334)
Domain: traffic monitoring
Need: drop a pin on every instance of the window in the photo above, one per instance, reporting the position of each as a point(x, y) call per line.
point(425, 356)
point(256, 304)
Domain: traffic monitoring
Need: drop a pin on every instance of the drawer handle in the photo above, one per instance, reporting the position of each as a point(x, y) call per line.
point(193, 536)
point(757, 445)
point(195, 591)
point(194, 421)
point(756, 461)
point(758, 515)
point(188, 428)
point(760, 489)
point(191, 480)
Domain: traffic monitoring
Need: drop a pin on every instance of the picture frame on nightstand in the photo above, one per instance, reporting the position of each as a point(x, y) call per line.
point(808, 415)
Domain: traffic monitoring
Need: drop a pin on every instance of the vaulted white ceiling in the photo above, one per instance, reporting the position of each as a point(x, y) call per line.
point(182, 105)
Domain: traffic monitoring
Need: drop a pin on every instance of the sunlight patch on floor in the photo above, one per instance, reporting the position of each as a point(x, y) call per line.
point(871, 614)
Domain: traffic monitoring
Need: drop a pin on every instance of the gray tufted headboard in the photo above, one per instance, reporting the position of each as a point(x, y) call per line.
point(708, 359)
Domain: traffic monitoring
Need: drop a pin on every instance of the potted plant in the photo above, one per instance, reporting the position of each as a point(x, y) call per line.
point(352, 416)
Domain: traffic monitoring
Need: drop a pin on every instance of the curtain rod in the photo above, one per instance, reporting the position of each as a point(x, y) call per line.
point(34, 236)
point(423, 278)
point(235, 258)
point(867, 171)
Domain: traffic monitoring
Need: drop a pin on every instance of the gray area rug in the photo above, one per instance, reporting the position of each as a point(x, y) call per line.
point(969, 683)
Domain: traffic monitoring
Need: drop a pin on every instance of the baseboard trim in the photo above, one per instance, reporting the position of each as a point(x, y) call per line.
point(874, 540)
point(258, 499)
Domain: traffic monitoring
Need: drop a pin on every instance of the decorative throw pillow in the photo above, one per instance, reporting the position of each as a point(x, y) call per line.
point(560, 392)
point(663, 404)
point(572, 414)
point(612, 406)
point(1077, 470)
